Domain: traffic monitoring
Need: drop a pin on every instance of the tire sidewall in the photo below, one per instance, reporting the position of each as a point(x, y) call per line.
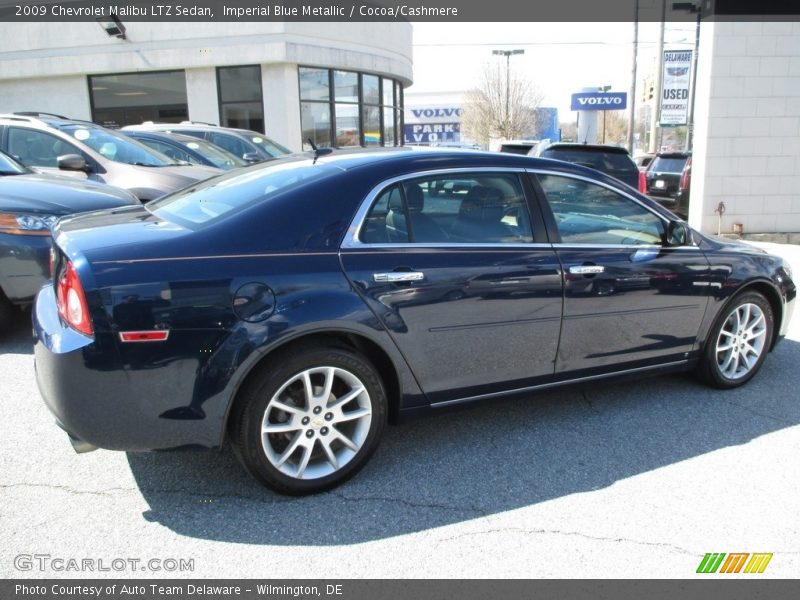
point(711, 368)
point(256, 398)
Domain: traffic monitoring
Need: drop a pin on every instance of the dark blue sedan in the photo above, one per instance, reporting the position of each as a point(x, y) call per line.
point(292, 308)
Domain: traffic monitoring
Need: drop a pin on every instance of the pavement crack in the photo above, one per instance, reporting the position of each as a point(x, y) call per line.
point(588, 402)
point(67, 489)
point(781, 420)
point(586, 536)
point(411, 504)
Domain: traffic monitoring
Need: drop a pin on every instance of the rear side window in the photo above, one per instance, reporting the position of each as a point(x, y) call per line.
point(663, 164)
point(37, 148)
point(221, 197)
point(450, 209)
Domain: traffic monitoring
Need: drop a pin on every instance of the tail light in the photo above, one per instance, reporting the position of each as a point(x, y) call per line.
point(642, 182)
point(71, 301)
point(686, 177)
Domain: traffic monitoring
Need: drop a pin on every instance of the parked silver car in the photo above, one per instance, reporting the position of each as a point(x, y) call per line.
point(55, 144)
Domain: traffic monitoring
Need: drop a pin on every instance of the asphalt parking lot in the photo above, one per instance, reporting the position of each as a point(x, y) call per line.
point(635, 479)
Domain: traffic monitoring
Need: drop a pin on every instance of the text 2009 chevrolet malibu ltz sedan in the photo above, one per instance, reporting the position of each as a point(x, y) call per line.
point(293, 307)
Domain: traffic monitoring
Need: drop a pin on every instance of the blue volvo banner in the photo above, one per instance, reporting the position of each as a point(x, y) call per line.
point(599, 101)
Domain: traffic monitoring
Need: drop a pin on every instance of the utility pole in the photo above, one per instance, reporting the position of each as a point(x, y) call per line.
point(690, 128)
point(654, 115)
point(632, 95)
point(508, 54)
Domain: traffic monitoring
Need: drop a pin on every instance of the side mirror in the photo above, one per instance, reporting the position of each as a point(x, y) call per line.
point(251, 157)
point(72, 162)
point(677, 234)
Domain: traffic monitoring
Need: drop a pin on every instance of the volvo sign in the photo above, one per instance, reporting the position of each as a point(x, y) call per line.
point(599, 101)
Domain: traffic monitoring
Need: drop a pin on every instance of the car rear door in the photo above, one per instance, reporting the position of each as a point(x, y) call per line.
point(629, 300)
point(460, 274)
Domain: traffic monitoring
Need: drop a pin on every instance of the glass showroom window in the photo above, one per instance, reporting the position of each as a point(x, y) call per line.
point(345, 108)
point(131, 98)
point(240, 97)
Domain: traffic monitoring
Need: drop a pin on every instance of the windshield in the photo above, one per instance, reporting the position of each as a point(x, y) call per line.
point(273, 149)
point(117, 147)
point(8, 166)
point(219, 157)
point(229, 194)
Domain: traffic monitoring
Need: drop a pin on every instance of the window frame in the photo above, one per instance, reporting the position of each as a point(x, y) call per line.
point(552, 226)
point(331, 102)
point(352, 237)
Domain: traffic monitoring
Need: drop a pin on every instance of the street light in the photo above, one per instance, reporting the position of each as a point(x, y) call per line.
point(508, 54)
point(604, 89)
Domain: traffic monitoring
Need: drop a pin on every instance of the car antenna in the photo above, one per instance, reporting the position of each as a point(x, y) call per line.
point(318, 151)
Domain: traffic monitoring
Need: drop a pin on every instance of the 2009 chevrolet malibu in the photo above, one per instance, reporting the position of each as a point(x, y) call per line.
point(292, 308)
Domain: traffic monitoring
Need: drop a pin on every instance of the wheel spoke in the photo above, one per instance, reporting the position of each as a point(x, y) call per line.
point(352, 415)
point(326, 446)
point(301, 468)
point(725, 367)
point(307, 387)
point(727, 346)
point(289, 450)
point(330, 374)
point(354, 393)
point(286, 427)
point(746, 319)
point(756, 326)
point(344, 439)
point(285, 407)
point(727, 334)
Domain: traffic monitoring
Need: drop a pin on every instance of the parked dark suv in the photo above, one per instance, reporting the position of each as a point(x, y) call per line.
point(612, 160)
point(662, 179)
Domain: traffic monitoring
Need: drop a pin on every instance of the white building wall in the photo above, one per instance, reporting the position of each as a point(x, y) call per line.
point(68, 96)
point(747, 142)
point(281, 93)
point(201, 95)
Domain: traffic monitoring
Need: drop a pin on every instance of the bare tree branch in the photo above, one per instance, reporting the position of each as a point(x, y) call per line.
point(484, 115)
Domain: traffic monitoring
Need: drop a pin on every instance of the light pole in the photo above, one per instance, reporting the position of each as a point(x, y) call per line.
point(508, 54)
point(604, 89)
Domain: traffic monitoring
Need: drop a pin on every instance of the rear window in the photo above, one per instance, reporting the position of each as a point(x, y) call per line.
point(665, 164)
point(602, 161)
point(223, 196)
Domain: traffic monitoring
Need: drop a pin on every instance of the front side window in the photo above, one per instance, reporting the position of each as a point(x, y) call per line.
point(36, 148)
point(461, 208)
point(587, 213)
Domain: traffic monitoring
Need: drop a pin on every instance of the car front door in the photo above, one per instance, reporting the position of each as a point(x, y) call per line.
point(461, 276)
point(630, 300)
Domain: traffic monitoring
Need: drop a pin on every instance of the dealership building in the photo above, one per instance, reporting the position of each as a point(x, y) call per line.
point(336, 83)
point(343, 84)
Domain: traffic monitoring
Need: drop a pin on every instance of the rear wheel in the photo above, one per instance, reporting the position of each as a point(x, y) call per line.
point(739, 342)
point(310, 421)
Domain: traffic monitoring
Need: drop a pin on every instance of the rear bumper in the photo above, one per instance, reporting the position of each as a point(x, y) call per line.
point(98, 401)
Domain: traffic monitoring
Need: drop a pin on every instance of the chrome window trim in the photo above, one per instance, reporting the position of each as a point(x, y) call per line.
point(351, 240)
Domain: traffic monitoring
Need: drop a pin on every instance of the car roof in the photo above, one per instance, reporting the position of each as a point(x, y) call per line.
point(674, 154)
point(586, 147)
point(44, 120)
point(152, 126)
point(163, 135)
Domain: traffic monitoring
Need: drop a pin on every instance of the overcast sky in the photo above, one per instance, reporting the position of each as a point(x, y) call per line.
point(560, 58)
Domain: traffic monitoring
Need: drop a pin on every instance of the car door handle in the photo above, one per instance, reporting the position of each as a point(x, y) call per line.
point(398, 276)
point(587, 269)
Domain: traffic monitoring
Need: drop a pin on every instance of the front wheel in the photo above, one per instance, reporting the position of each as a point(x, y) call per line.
point(310, 421)
point(739, 342)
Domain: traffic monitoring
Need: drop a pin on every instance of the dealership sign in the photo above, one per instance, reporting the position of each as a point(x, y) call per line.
point(599, 101)
point(431, 133)
point(675, 87)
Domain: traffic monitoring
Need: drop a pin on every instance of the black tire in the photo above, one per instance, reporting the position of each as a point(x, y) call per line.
point(729, 368)
point(331, 462)
point(7, 312)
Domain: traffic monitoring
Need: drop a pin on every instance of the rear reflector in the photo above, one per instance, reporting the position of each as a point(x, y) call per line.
point(158, 335)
